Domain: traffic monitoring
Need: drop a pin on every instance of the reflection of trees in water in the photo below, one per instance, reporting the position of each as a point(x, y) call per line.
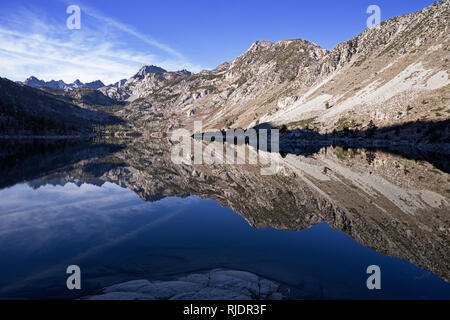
point(344, 149)
point(23, 160)
point(13, 152)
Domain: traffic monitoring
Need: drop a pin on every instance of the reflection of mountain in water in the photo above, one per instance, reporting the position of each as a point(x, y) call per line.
point(30, 159)
point(395, 205)
point(422, 141)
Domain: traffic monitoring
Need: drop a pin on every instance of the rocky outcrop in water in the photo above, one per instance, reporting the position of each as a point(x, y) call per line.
point(217, 284)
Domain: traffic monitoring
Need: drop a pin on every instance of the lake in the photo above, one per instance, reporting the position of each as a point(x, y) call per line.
point(126, 212)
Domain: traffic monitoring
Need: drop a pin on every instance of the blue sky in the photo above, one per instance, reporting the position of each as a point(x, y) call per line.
point(118, 37)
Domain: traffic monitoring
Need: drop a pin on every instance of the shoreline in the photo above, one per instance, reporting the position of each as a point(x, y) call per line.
point(286, 142)
point(46, 137)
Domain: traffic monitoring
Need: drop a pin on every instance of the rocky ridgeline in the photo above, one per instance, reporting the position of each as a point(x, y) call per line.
point(61, 85)
point(395, 73)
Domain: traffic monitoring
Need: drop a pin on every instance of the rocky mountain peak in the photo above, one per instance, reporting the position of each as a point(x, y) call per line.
point(120, 83)
point(148, 69)
point(33, 82)
point(95, 84)
point(185, 72)
point(260, 44)
point(222, 67)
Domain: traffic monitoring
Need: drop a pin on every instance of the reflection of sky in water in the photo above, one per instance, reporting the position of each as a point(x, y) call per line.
point(115, 236)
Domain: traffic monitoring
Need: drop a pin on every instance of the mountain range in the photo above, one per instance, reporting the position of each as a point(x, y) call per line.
point(36, 83)
point(60, 84)
point(394, 73)
point(29, 111)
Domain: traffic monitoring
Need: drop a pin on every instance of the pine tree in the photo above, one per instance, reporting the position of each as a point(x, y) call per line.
point(371, 129)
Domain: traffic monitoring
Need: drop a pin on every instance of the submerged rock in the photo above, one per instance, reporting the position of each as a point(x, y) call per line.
point(218, 284)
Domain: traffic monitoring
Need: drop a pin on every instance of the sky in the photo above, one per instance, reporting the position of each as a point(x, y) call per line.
point(116, 38)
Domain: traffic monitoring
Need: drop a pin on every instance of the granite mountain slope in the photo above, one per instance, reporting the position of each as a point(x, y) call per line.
point(395, 73)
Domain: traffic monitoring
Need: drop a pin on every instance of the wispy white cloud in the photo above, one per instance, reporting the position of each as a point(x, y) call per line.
point(129, 30)
point(103, 49)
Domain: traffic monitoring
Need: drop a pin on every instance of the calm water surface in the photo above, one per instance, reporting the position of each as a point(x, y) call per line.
point(127, 214)
point(114, 236)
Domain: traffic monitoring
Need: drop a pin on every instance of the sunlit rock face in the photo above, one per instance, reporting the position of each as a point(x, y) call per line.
point(390, 74)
